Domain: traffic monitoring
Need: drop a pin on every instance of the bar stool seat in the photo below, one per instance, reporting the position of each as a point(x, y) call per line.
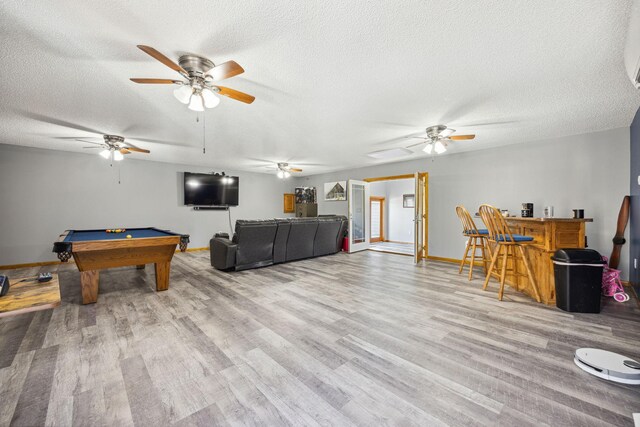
point(506, 244)
point(515, 237)
point(483, 231)
point(477, 239)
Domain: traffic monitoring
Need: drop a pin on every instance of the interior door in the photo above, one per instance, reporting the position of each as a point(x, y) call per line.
point(419, 249)
point(376, 208)
point(358, 201)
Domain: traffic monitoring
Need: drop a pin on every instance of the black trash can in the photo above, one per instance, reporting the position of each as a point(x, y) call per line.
point(578, 276)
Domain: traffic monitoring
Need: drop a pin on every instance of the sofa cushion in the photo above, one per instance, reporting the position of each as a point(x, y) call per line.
point(255, 243)
point(301, 237)
point(280, 242)
point(223, 253)
point(325, 242)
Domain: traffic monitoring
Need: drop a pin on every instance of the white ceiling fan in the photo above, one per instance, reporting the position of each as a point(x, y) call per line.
point(113, 147)
point(438, 138)
point(285, 171)
point(197, 89)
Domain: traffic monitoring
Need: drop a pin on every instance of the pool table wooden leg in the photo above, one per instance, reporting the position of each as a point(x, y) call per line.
point(89, 283)
point(162, 275)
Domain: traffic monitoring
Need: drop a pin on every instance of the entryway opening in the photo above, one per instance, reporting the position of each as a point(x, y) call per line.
point(398, 214)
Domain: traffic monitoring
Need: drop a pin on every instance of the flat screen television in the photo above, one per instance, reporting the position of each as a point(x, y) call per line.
point(204, 189)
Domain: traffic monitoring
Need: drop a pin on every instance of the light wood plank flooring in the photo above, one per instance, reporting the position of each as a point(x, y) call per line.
point(363, 339)
point(393, 247)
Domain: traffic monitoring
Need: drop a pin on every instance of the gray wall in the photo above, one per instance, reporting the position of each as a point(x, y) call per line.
point(44, 192)
point(398, 221)
point(589, 171)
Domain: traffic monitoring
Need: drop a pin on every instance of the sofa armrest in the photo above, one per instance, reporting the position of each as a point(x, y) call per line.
point(223, 253)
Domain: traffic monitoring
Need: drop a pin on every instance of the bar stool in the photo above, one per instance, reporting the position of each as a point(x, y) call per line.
point(506, 243)
point(477, 239)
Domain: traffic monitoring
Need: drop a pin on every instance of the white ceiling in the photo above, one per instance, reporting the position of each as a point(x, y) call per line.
point(333, 80)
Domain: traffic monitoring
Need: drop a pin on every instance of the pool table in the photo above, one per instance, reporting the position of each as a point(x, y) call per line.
point(94, 250)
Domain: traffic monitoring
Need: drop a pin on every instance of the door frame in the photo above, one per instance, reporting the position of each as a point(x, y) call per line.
point(381, 200)
point(425, 228)
point(364, 245)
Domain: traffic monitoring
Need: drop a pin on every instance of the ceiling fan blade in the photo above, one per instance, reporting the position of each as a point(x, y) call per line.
point(461, 137)
point(160, 57)
point(416, 144)
point(418, 137)
point(90, 142)
point(156, 81)
point(136, 149)
point(235, 94)
point(58, 122)
point(448, 131)
point(157, 141)
point(295, 170)
point(124, 151)
point(94, 147)
point(226, 70)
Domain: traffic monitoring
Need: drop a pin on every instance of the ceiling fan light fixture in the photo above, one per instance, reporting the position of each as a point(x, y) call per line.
point(210, 99)
point(287, 174)
point(439, 147)
point(183, 93)
point(105, 153)
point(280, 174)
point(196, 103)
point(428, 148)
point(117, 156)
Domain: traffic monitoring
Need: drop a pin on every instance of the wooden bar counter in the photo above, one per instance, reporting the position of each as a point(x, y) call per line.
point(549, 235)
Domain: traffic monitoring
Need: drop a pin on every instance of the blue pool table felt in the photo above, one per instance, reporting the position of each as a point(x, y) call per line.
point(136, 233)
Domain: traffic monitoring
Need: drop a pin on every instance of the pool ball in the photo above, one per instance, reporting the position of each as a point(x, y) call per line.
point(128, 236)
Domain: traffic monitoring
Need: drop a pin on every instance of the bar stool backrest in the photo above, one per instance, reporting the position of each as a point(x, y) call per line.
point(497, 226)
point(468, 226)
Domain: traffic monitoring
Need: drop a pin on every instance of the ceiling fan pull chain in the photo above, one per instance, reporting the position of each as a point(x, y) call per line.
point(204, 134)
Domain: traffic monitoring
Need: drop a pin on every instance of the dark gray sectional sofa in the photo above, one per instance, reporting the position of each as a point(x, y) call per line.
point(258, 243)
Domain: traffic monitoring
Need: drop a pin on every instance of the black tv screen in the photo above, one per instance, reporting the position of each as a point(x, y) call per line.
point(210, 190)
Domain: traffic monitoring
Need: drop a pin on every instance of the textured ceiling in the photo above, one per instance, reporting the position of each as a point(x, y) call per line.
point(334, 80)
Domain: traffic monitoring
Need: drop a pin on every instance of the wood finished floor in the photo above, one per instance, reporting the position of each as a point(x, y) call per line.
point(393, 247)
point(364, 339)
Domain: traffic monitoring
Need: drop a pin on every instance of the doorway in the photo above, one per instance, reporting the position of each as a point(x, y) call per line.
point(376, 207)
point(398, 214)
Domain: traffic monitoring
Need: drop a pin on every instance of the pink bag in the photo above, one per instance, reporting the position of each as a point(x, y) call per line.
point(611, 284)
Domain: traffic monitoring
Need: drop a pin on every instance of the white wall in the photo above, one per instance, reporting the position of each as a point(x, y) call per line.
point(399, 219)
point(44, 192)
point(589, 171)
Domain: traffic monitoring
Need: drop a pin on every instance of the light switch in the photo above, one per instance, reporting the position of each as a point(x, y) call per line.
point(638, 179)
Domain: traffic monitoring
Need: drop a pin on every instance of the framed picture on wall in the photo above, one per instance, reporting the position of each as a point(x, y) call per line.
point(305, 195)
point(335, 191)
point(409, 201)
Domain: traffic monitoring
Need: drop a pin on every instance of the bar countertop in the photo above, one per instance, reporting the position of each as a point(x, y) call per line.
point(519, 218)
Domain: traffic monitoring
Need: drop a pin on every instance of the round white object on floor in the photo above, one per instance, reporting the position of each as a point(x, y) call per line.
point(608, 365)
